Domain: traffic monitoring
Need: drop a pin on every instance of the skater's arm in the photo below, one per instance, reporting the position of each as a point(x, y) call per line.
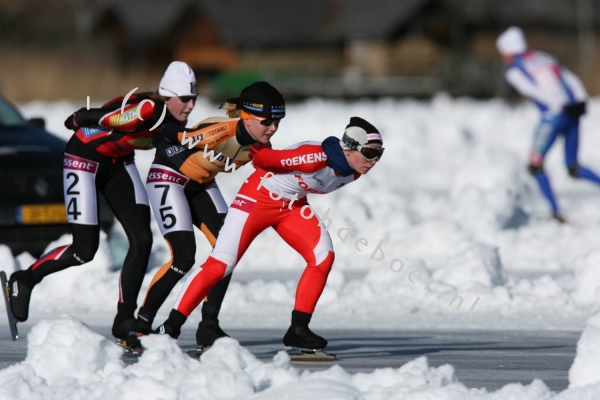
point(127, 121)
point(526, 87)
point(306, 158)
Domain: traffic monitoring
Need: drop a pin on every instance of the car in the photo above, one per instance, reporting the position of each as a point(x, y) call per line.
point(32, 209)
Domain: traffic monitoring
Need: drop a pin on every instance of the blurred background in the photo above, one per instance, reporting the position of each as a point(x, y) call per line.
point(70, 49)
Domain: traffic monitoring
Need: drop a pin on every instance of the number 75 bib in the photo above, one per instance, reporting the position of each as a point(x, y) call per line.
point(165, 192)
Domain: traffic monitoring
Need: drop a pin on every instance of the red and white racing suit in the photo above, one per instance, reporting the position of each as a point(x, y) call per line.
point(274, 196)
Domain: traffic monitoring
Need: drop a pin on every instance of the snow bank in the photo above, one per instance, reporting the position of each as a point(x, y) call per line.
point(587, 279)
point(586, 367)
point(9, 263)
point(484, 195)
point(66, 360)
point(478, 265)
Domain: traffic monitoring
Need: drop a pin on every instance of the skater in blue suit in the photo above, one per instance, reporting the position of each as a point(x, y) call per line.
point(561, 98)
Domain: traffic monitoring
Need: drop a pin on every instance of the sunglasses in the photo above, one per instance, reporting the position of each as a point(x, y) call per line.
point(187, 99)
point(264, 122)
point(370, 153)
point(270, 122)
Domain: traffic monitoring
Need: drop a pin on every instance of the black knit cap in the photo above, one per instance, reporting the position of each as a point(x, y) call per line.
point(261, 99)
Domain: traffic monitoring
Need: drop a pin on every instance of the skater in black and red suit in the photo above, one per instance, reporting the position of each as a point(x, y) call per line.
point(99, 158)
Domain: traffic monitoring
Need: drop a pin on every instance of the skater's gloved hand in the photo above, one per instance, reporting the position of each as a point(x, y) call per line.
point(169, 132)
point(255, 148)
point(575, 110)
point(70, 123)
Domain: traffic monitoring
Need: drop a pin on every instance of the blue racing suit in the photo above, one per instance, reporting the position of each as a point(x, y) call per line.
point(561, 97)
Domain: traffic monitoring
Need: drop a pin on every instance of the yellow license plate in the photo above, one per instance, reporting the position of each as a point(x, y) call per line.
point(42, 214)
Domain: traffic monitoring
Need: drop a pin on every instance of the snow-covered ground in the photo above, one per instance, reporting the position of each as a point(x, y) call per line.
point(451, 200)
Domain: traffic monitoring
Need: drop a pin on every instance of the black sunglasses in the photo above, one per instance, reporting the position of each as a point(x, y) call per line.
point(187, 99)
point(269, 122)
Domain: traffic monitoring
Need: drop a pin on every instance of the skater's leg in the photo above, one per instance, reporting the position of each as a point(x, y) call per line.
point(127, 198)
point(242, 225)
point(312, 241)
point(211, 209)
point(309, 238)
point(544, 137)
point(21, 283)
point(81, 201)
point(183, 249)
point(537, 171)
point(571, 149)
point(171, 205)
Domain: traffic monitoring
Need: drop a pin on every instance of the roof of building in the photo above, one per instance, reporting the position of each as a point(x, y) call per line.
point(248, 23)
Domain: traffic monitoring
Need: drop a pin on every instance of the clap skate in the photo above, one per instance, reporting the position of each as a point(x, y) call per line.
point(206, 335)
point(132, 343)
point(302, 344)
point(12, 321)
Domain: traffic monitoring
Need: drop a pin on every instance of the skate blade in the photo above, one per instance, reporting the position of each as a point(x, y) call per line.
point(298, 354)
point(132, 351)
point(197, 352)
point(12, 321)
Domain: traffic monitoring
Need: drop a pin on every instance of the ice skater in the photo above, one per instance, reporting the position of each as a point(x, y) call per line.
point(99, 157)
point(183, 192)
point(275, 196)
point(561, 98)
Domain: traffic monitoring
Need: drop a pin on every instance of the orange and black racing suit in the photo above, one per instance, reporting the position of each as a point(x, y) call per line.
point(183, 192)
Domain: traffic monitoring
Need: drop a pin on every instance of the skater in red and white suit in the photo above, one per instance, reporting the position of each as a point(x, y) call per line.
point(275, 196)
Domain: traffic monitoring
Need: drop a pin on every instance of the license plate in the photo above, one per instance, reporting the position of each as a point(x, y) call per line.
point(42, 214)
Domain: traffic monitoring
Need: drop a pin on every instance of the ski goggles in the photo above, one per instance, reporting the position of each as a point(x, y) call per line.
point(370, 153)
point(263, 121)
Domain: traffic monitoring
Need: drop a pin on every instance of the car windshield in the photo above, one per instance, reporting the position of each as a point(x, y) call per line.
point(9, 116)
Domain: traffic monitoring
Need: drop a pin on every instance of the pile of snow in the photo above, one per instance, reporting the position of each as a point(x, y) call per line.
point(66, 360)
point(478, 265)
point(586, 367)
point(587, 279)
point(485, 192)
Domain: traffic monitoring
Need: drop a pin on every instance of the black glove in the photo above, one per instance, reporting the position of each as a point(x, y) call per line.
point(575, 110)
point(170, 132)
point(70, 123)
point(84, 117)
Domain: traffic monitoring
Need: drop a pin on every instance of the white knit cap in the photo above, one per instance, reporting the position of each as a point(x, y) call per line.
point(512, 41)
point(179, 80)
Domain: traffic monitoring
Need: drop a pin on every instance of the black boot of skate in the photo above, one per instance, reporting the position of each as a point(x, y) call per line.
point(20, 285)
point(300, 336)
point(124, 321)
point(172, 326)
point(142, 327)
point(209, 329)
